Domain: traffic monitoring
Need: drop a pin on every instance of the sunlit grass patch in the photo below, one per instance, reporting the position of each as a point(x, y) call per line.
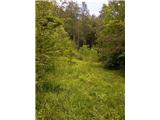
point(86, 91)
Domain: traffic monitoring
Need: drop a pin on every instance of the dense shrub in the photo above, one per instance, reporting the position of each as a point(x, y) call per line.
point(111, 37)
point(88, 53)
point(51, 40)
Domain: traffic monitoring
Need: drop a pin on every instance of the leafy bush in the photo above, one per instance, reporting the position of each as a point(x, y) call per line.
point(111, 38)
point(88, 53)
point(51, 39)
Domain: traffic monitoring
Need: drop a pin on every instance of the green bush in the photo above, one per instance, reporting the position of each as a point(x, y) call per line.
point(52, 40)
point(111, 38)
point(88, 53)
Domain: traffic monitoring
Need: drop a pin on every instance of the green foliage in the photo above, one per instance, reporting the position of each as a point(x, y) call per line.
point(79, 23)
point(83, 91)
point(111, 39)
point(87, 53)
point(71, 83)
point(51, 40)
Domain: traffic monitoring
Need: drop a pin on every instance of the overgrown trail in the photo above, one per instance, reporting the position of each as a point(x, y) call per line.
point(70, 82)
point(83, 91)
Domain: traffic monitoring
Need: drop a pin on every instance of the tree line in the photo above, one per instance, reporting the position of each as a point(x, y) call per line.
point(62, 28)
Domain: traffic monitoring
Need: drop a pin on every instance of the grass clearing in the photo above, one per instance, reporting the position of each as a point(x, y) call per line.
point(81, 90)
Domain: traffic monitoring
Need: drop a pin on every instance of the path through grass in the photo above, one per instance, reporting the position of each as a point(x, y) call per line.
point(81, 90)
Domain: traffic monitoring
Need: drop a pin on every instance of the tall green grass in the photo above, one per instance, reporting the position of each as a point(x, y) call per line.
point(80, 89)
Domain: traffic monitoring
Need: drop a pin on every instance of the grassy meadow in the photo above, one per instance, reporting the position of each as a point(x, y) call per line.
point(81, 90)
point(80, 61)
